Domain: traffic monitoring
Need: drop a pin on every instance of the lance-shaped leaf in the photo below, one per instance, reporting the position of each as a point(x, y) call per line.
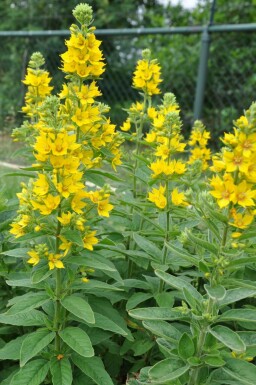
point(61, 371)
point(34, 343)
point(93, 368)
point(28, 302)
point(157, 313)
point(179, 283)
point(79, 307)
point(149, 247)
point(228, 337)
point(77, 340)
point(31, 318)
point(33, 373)
point(243, 315)
point(166, 371)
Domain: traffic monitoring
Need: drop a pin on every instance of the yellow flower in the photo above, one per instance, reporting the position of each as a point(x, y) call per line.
point(54, 261)
point(243, 195)
point(163, 151)
point(242, 221)
point(65, 245)
point(50, 203)
point(90, 240)
point(17, 230)
point(41, 186)
point(157, 197)
point(178, 198)
point(65, 218)
point(104, 207)
point(246, 144)
point(151, 137)
point(34, 257)
point(235, 160)
point(126, 125)
point(77, 204)
point(223, 190)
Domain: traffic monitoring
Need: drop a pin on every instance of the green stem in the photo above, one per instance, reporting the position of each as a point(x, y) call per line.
point(161, 285)
point(57, 309)
point(57, 322)
point(193, 379)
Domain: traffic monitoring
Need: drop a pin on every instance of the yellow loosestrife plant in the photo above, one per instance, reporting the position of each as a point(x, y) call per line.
point(180, 239)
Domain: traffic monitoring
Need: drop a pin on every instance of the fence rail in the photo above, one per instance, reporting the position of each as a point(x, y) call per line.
point(209, 68)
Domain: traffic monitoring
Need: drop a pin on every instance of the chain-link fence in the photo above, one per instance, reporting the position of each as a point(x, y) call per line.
point(210, 69)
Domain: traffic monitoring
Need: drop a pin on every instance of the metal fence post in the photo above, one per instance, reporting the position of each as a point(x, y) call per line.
point(203, 67)
point(202, 74)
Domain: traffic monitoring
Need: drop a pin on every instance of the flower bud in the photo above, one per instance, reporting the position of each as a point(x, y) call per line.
point(83, 14)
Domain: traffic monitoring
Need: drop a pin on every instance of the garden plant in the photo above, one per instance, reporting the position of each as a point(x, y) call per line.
point(130, 255)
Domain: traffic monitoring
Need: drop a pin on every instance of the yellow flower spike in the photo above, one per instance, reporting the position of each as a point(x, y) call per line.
point(85, 280)
point(90, 240)
point(54, 261)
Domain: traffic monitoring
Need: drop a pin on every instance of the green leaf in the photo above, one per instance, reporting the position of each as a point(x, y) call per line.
point(41, 273)
point(179, 283)
point(182, 254)
point(156, 313)
point(228, 337)
point(163, 329)
point(28, 302)
point(106, 323)
point(34, 343)
point(106, 174)
point(235, 295)
point(249, 338)
point(61, 371)
point(166, 371)
point(17, 253)
point(77, 340)
point(194, 361)
point(33, 373)
point(214, 361)
point(31, 318)
point(93, 368)
point(95, 261)
point(241, 370)
point(164, 299)
point(137, 298)
point(141, 346)
point(149, 247)
point(215, 292)
point(248, 315)
point(79, 307)
point(95, 284)
point(186, 346)
point(73, 236)
point(201, 242)
point(11, 350)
